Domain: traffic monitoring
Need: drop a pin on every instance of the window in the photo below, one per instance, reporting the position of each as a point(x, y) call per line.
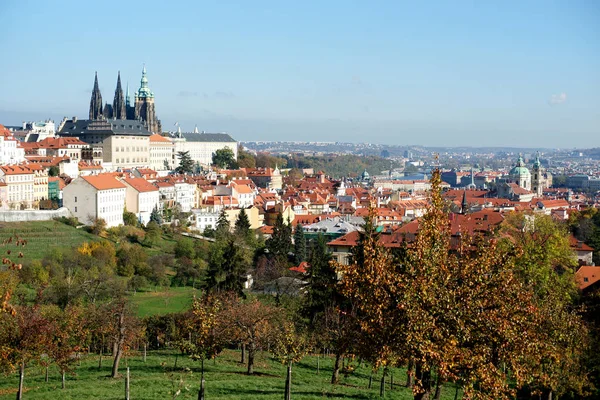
point(75, 199)
point(75, 209)
point(585, 279)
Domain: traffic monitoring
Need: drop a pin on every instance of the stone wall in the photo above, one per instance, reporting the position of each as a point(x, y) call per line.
point(33, 215)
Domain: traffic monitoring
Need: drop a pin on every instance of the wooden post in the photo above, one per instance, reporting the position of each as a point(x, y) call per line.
point(382, 386)
point(144, 352)
point(63, 379)
point(288, 382)
point(21, 378)
point(46, 378)
point(100, 359)
point(318, 363)
point(391, 381)
point(371, 380)
point(243, 360)
point(127, 385)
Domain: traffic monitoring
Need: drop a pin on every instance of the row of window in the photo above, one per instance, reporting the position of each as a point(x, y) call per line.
point(126, 148)
point(133, 160)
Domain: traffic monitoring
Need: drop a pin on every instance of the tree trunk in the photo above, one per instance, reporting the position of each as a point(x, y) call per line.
point(391, 381)
point(21, 378)
point(288, 383)
point(456, 392)
point(410, 373)
point(425, 383)
point(46, 377)
point(144, 352)
point(127, 385)
point(438, 389)
point(371, 380)
point(100, 359)
point(251, 352)
point(550, 395)
point(115, 367)
point(63, 379)
point(243, 361)
point(118, 344)
point(201, 392)
point(382, 385)
point(335, 377)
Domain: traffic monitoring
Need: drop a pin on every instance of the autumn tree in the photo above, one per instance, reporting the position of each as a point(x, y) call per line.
point(454, 305)
point(66, 337)
point(251, 322)
point(290, 345)
point(23, 338)
point(125, 328)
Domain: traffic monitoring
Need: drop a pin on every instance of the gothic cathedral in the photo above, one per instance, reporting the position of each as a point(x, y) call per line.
point(142, 109)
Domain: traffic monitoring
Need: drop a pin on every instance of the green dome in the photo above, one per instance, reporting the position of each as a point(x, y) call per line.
point(520, 169)
point(144, 90)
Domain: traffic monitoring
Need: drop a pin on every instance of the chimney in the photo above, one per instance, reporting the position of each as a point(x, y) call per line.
point(74, 119)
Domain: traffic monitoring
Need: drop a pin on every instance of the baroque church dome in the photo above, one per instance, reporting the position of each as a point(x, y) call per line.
point(520, 170)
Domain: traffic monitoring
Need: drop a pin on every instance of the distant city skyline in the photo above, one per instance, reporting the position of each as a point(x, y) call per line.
point(439, 74)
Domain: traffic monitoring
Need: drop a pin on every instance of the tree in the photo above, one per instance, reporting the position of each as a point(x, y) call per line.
point(153, 234)
point(186, 164)
point(132, 260)
point(155, 216)
point(23, 338)
point(280, 242)
point(322, 279)
point(224, 158)
point(290, 346)
point(124, 330)
point(223, 226)
point(53, 171)
point(299, 245)
point(98, 226)
point(129, 218)
point(184, 247)
point(228, 266)
point(245, 159)
point(251, 322)
point(456, 307)
point(242, 225)
point(66, 337)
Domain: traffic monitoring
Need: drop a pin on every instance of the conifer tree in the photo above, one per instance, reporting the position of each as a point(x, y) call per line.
point(299, 245)
point(242, 225)
point(222, 225)
point(155, 216)
point(186, 164)
point(280, 242)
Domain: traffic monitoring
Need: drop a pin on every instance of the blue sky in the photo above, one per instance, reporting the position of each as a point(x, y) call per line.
point(438, 73)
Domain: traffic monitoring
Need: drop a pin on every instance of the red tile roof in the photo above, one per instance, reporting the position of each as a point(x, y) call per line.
point(159, 138)
point(141, 185)
point(103, 181)
point(587, 275)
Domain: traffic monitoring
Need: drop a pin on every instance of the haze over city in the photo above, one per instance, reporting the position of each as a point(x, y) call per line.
point(443, 73)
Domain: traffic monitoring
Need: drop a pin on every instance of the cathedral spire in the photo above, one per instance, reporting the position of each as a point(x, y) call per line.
point(119, 109)
point(96, 101)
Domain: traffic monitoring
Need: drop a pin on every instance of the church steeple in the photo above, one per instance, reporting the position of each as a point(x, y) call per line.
point(119, 108)
point(96, 101)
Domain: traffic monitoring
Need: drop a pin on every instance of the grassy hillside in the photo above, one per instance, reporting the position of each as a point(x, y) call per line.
point(226, 379)
point(44, 236)
point(163, 301)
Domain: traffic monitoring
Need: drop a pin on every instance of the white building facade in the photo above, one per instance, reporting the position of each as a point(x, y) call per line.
point(96, 196)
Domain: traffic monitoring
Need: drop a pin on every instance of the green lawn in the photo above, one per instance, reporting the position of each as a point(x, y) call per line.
point(163, 301)
point(42, 237)
point(224, 380)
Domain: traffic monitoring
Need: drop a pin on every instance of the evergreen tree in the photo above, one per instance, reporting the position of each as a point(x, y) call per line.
point(242, 225)
point(280, 242)
point(299, 245)
point(227, 267)
point(186, 164)
point(222, 225)
point(322, 280)
point(155, 216)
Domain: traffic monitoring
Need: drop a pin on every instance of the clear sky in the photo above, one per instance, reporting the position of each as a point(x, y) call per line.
point(522, 73)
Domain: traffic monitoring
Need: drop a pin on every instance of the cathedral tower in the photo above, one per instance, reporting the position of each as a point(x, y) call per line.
point(144, 106)
point(96, 101)
point(119, 110)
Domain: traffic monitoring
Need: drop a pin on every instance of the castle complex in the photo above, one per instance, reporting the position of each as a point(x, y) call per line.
point(141, 109)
